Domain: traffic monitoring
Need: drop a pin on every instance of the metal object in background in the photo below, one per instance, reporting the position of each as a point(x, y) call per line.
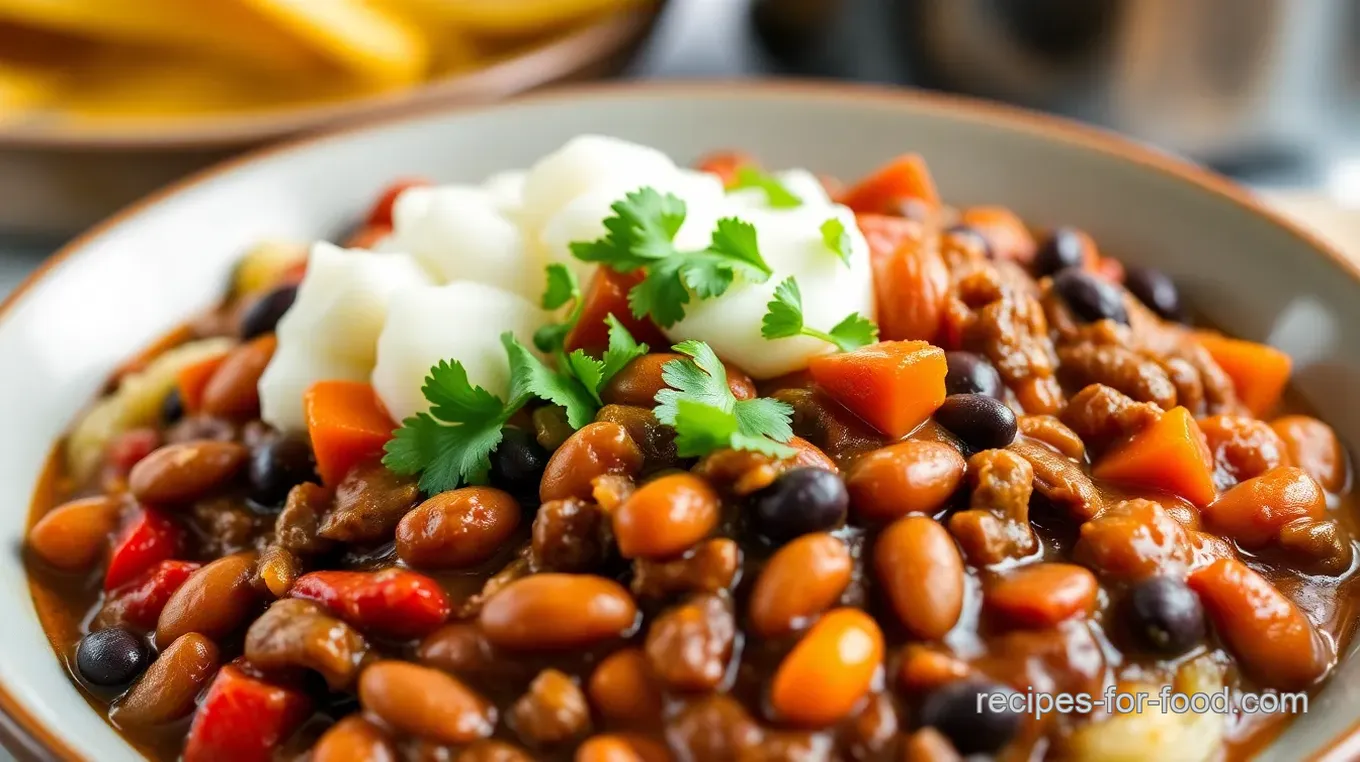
point(1227, 81)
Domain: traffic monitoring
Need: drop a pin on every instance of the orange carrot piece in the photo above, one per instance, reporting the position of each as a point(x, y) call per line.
point(1006, 233)
point(1258, 372)
point(1263, 628)
point(726, 164)
point(367, 236)
point(193, 379)
point(1042, 595)
point(347, 425)
point(608, 294)
point(911, 282)
point(893, 385)
point(883, 192)
point(1169, 455)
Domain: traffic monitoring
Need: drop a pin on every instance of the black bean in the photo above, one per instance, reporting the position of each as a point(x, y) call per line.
point(517, 464)
point(277, 464)
point(172, 407)
point(1164, 616)
point(262, 316)
point(975, 726)
point(979, 421)
point(1065, 247)
point(971, 374)
point(112, 657)
point(798, 502)
point(1090, 298)
point(1156, 290)
point(967, 231)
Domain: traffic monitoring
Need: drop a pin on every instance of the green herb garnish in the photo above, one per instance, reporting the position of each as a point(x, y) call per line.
point(706, 416)
point(776, 194)
point(836, 239)
point(784, 318)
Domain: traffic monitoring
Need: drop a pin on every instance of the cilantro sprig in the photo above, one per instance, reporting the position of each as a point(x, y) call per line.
point(562, 287)
point(451, 444)
point(776, 194)
point(640, 236)
point(698, 404)
point(836, 239)
point(784, 318)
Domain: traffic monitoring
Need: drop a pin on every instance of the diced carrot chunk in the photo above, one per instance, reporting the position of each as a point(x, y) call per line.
point(367, 236)
point(893, 385)
point(1263, 628)
point(1169, 455)
point(381, 212)
point(911, 282)
point(607, 295)
point(1254, 512)
point(726, 164)
point(1042, 595)
point(1258, 372)
point(883, 192)
point(1006, 233)
point(347, 425)
point(193, 379)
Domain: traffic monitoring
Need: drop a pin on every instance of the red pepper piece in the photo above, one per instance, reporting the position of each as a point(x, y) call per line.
point(381, 213)
point(393, 602)
point(151, 537)
point(243, 718)
point(139, 602)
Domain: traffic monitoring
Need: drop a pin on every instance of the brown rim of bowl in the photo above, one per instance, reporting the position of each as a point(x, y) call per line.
point(596, 48)
point(30, 740)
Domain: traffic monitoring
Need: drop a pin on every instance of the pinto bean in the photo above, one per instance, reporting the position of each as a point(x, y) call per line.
point(558, 611)
point(594, 450)
point(1253, 512)
point(298, 633)
point(916, 476)
point(801, 580)
point(233, 391)
point(167, 690)
point(73, 536)
point(457, 529)
point(690, 645)
point(179, 473)
point(624, 690)
point(1312, 445)
point(491, 750)
point(354, 739)
point(552, 711)
point(459, 648)
point(214, 601)
point(1042, 595)
point(425, 702)
point(922, 573)
point(369, 502)
point(709, 567)
point(830, 671)
point(665, 517)
point(1321, 547)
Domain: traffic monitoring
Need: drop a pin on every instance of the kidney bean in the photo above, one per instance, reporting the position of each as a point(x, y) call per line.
point(233, 391)
point(147, 539)
point(638, 382)
point(1042, 595)
point(624, 690)
point(1253, 512)
point(214, 601)
point(167, 690)
point(915, 476)
point(493, 751)
point(73, 536)
point(297, 633)
point(1311, 445)
point(354, 739)
point(425, 702)
point(622, 747)
point(180, 473)
point(921, 571)
point(800, 581)
point(459, 648)
point(922, 669)
point(243, 718)
point(689, 646)
point(457, 529)
point(665, 517)
point(709, 567)
point(594, 450)
point(393, 602)
point(1263, 628)
point(558, 611)
point(138, 604)
point(1318, 547)
point(552, 711)
point(830, 671)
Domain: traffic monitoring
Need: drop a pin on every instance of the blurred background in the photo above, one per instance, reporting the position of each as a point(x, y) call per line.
point(102, 101)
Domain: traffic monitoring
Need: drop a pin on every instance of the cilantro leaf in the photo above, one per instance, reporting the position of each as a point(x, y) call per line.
point(530, 377)
point(706, 416)
point(662, 294)
point(735, 241)
point(587, 370)
point(562, 286)
point(641, 230)
point(622, 349)
point(836, 239)
point(776, 195)
point(784, 318)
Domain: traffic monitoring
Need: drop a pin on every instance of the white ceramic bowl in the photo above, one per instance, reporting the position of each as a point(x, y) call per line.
point(138, 275)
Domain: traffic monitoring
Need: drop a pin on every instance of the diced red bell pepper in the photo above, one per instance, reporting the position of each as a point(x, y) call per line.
point(367, 236)
point(607, 295)
point(139, 602)
point(131, 446)
point(149, 538)
point(394, 603)
point(243, 719)
point(381, 213)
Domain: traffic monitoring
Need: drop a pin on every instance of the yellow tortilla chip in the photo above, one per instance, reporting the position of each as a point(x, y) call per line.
point(366, 40)
point(511, 17)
